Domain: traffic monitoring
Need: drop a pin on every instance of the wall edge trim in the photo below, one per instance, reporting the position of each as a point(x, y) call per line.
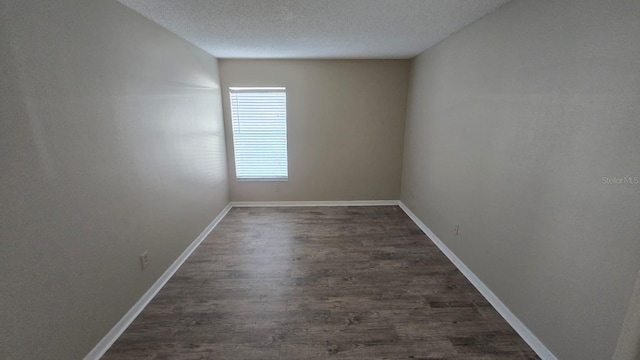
point(107, 341)
point(522, 330)
point(314, 203)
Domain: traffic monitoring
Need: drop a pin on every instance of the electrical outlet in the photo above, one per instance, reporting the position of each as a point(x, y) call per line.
point(456, 229)
point(144, 259)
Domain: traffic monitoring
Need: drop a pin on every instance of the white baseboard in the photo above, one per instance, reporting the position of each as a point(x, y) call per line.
point(313, 203)
point(517, 325)
point(115, 332)
point(128, 318)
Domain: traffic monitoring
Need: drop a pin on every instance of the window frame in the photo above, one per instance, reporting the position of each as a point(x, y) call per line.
point(234, 132)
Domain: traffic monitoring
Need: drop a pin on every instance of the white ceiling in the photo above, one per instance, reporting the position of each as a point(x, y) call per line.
point(314, 28)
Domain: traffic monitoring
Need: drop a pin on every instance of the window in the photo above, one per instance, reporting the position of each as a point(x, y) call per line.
point(259, 121)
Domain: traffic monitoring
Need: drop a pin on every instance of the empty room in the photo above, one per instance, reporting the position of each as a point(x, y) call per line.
point(319, 179)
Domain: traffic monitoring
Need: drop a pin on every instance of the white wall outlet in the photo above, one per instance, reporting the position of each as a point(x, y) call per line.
point(456, 229)
point(144, 259)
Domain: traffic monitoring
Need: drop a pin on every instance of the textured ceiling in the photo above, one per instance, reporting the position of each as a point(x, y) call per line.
point(314, 28)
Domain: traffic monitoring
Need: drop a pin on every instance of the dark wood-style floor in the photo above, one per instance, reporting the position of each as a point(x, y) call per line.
point(319, 283)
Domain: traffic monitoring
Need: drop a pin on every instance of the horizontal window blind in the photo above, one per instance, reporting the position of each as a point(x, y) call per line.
point(259, 121)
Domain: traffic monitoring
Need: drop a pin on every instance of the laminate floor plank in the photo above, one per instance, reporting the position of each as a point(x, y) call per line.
point(318, 283)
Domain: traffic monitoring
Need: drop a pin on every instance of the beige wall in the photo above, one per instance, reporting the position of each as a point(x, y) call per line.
point(345, 127)
point(512, 124)
point(111, 144)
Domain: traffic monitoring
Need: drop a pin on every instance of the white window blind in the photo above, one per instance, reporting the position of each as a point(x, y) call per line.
point(259, 121)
